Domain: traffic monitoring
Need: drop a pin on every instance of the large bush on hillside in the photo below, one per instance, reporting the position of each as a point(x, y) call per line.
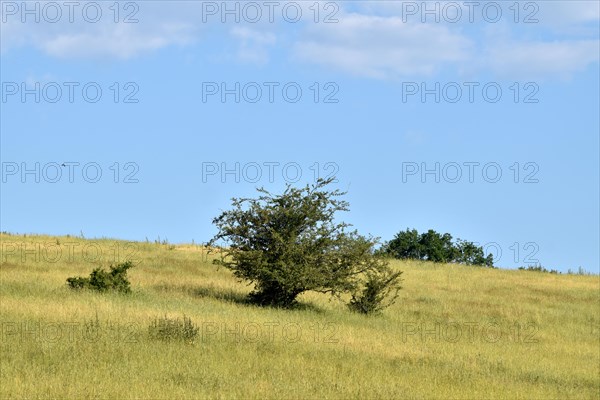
point(102, 281)
point(436, 247)
point(288, 244)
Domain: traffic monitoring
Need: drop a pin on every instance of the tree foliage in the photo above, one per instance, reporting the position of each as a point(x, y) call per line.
point(102, 281)
point(288, 244)
point(436, 247)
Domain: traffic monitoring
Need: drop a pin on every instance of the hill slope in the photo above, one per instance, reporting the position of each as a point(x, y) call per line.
point(455, 332)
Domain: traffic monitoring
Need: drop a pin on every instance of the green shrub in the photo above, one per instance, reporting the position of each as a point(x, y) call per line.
point(102, 281)
point(580, 271)
point(165, 328)
point(538, 268)
point(78, 282)
point(379, 292)
point(291, 243)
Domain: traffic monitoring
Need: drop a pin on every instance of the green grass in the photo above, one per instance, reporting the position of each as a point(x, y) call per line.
point(455, 332)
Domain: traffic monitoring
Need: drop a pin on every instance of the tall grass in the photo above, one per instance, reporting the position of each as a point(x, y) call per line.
point(455, 332)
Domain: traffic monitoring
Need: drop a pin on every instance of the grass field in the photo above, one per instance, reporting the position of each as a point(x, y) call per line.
point(455, 332)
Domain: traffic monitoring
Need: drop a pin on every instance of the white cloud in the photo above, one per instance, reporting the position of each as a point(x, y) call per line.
point(548, 13)
point(383, 47)
point(253, 44)
point(561, 13)
point(373, 41)
point(120, 42)
point(541, 60)
point(156, 28)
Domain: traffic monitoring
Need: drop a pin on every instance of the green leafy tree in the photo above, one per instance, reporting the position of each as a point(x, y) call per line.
point(405, 245)
point(288, 244)
point(436, 247)
point(470, 254)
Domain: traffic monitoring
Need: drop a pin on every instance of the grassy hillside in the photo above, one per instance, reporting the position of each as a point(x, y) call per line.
point(455, 332)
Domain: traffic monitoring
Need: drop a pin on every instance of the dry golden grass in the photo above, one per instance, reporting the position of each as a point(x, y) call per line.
point(455, 332)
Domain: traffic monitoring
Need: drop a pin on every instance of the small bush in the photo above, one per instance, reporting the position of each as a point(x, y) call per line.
point(580, 271)
point(379, 292)
point(102, 281)
point(92, 328)
point(167, 329)
point(538, 268)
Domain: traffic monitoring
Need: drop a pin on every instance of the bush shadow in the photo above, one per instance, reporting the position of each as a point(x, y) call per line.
point(236, 297)
point(232, 296)
point(226, 295)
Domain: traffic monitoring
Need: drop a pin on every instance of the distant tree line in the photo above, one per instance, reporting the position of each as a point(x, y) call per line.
point(436, 247)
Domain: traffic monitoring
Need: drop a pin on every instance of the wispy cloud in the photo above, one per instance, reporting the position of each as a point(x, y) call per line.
point(104, 39)
point(253, 44)
point(542, 60)
point(383, 47)
point(122, 42)
point(373, 41)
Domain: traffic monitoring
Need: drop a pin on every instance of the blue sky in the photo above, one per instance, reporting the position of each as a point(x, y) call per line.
point(502, 149)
